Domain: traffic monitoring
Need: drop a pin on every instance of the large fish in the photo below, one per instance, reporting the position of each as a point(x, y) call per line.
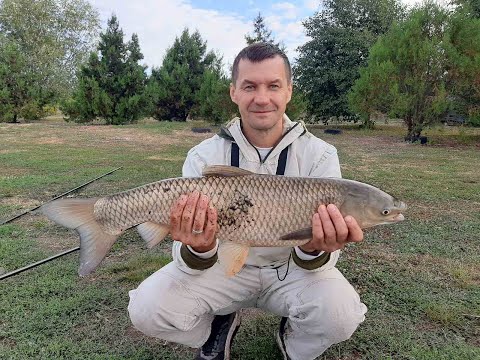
point(253, 210)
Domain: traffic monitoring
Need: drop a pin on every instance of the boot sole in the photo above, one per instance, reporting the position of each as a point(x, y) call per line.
point(231, 334)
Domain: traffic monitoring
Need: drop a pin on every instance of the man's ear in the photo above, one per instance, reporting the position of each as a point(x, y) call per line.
point(232, 93)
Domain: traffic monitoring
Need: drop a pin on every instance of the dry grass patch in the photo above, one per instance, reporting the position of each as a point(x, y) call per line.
point(165, 158)
point(57, 241)
point(19, 202)
point(11, 151)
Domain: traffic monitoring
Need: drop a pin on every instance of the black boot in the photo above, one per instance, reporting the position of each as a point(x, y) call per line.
point(280, 338)
point(217, 347)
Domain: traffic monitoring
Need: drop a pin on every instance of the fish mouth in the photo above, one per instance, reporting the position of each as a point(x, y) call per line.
point(398, 217)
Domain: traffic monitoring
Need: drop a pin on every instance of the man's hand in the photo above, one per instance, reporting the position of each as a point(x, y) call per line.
point(193, 222)
point(331, 231)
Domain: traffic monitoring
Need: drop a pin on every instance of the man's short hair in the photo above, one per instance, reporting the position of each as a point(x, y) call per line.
point(258, 52)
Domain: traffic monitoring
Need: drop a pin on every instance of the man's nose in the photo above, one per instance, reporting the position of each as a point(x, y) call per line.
point(261, 97)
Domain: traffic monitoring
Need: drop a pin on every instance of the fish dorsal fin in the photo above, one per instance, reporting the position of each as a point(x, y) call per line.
point(152, 233)
point(298, 234)
point(225, 170)
point(232, 256)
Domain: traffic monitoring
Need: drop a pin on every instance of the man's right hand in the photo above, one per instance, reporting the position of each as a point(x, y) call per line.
point(193, 222)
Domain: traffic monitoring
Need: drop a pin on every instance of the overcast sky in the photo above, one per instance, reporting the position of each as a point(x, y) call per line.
point(223, 24)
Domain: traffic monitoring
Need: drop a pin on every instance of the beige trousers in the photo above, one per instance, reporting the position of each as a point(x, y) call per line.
point(322, 307)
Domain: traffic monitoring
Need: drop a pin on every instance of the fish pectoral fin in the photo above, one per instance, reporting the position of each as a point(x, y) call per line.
point(152, 233)
point(224, 170)
point(298, 234)
point(232, 256)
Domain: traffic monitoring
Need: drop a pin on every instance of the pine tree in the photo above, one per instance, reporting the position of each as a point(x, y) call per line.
point(261, 33)
point(173, 86)
point(112, 84)
point(213, 102)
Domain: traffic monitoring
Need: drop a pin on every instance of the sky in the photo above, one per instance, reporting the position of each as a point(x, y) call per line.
point(223, 24)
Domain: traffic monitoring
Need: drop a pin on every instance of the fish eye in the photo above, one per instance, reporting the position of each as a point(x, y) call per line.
point(385, 212)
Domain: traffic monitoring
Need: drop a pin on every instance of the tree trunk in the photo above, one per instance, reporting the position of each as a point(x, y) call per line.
point(413, 132)
point(368, 122)
point(409, 123)
point(15, 119)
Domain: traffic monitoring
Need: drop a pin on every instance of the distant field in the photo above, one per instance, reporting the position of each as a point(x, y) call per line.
point(420, 279)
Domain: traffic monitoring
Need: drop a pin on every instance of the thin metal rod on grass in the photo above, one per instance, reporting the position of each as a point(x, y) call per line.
point(18, 271)
point(59, 196)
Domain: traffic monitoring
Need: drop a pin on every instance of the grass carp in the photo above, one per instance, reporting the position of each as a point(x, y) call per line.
point(253, 210)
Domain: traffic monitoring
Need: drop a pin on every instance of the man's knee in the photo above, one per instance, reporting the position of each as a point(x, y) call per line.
point(335, 313)
point(162, 304)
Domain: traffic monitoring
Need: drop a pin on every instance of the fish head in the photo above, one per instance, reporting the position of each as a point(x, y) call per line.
point(371, 206)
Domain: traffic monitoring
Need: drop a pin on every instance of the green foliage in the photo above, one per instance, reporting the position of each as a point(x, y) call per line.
point(474, 117)
point(213, 98)
point(471, 7)
point(462, 46)
point(55, 36)
point(444, 66)
point(261, 33)
point(112, 84)
point(13, 82)
point(32, 111)
point(328, 64)
point(297, 106)
point(173, 87)
point(20, 97)
point(421, 68)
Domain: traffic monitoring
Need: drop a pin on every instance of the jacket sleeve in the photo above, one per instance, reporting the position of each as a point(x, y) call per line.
point(183, 257)
point(328, 165)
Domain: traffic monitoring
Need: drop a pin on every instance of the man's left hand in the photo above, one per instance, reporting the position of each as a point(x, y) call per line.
point(331, 231)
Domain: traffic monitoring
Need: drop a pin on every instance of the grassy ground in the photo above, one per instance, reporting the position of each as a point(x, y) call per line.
point(420, 279)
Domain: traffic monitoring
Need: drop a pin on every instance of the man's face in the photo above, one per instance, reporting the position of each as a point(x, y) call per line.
point(261, 92)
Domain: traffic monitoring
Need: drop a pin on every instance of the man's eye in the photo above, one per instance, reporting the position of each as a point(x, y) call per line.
point(274, 86)
point(248, 87)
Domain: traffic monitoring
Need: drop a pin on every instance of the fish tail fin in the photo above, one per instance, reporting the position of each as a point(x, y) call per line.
point(78, 214)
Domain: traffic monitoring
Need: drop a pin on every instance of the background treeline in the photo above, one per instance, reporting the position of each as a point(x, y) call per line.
point(363, 58)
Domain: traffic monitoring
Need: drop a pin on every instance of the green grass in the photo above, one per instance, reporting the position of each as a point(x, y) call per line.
point(420, 279)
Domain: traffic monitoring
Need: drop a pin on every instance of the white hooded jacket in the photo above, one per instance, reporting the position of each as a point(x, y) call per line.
point(308, 156)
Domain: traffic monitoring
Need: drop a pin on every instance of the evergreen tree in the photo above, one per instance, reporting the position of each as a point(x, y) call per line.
point(112, 83)
point(462, 45)
point(328, 64)
point(173, 87)
point(406, 72)
point(261, 33)
point(213, 101)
